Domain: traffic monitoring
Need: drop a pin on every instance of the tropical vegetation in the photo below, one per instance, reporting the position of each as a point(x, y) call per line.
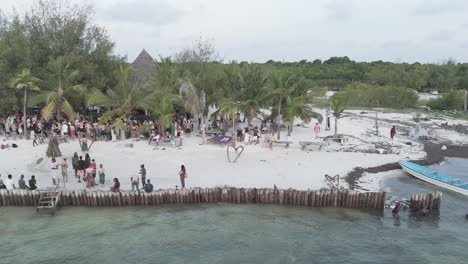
point(56, 46)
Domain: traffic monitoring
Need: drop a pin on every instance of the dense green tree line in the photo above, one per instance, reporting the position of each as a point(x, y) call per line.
point(369, 95)
point(48, 31)
point(74, 66)
point(337, 72)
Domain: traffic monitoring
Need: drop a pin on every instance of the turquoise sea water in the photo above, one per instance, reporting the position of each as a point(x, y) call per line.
point(238, 234)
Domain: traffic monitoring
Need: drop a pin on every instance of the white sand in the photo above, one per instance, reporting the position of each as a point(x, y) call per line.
point(207, 165)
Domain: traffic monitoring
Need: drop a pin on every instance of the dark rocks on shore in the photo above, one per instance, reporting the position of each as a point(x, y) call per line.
point(457, 128)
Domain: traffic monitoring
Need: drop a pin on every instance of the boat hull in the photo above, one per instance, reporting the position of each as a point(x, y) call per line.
point(428, 179)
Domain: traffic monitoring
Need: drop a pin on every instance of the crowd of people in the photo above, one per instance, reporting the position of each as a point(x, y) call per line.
point(12, 127)
point(86, 170)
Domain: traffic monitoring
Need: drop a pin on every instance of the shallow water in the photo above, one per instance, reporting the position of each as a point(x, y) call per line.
point(454, 205)
point(240, 233)
point(227, 234)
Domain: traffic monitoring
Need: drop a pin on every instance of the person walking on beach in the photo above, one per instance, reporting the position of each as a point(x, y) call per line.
point(317, 130)
point(148, 186)
point(392, 132)
point(182, 175)
point(32, 183)
point(143, 174)
point(115, 185)
point(135, 179)
point(87, 161)
point(54, 172)
point(102, 175)
point(89, 178)
point(81, 168)
point(75, 163)
point(94, 167)
point(34, 138)
point(64, 167)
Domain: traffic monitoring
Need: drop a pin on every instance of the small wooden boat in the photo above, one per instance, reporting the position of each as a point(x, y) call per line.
point(434, 177)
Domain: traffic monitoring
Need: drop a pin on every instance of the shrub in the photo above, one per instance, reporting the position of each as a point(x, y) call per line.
point(368, 95)
point(452, 100)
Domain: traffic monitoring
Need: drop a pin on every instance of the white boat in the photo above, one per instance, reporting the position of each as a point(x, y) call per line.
point(434, 177)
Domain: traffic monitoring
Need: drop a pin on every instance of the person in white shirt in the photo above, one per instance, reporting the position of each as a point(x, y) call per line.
point(54, 172)
point(64, 129)
point(10, 185)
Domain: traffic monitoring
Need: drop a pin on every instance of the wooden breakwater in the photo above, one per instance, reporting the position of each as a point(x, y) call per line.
point(320, 198)
point(425, 201)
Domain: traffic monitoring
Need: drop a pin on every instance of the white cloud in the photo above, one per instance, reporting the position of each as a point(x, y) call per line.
point(258, 30)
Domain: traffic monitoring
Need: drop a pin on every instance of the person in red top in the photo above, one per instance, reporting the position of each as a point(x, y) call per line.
point(93, 166)
point(392, 132)
point(317, 130)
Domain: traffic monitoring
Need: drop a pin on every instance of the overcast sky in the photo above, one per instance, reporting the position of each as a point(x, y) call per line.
point(259, 30)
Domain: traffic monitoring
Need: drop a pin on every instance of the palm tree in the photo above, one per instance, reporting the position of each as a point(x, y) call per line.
point(26, 82)
point(230, 108)
point(298, 103)
point(123, 99)
point(338, 105)
point(298, 107)
point(281, 84)
point(194, 102)
point(253, 91)
point(60, 86)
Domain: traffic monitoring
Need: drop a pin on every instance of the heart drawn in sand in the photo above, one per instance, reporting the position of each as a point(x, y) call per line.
point(236, 149)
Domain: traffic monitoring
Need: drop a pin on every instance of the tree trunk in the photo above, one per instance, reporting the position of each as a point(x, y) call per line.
point(202, 126)
point(466, 103)
point(234, 125)
point(278, 119)
point(249, 120)
point(59, 109)
point(225, 122)
point(25, 130)
point(336, 126)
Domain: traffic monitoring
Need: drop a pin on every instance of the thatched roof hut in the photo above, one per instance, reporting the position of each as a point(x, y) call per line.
point(144, 67)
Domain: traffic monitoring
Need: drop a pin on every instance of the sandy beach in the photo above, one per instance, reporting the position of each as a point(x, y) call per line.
point(258, 166)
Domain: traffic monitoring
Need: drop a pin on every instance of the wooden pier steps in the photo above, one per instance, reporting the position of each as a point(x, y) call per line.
point(48, 202)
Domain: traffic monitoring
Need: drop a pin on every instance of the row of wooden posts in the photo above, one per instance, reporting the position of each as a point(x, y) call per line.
point(429, 201)
point(320, 198)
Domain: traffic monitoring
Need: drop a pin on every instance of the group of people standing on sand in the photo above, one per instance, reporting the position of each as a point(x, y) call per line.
point(9, 183)
point(87, 170)
point(146, 183)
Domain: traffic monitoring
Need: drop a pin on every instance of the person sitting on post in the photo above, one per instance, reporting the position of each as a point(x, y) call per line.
point(148, 186)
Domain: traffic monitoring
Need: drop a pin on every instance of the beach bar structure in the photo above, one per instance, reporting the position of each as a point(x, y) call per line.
point(313, 199)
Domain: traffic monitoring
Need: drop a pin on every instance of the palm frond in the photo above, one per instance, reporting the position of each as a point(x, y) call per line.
point(68, 110)
point(42, 98)
point(47, 111)
point(96, 97)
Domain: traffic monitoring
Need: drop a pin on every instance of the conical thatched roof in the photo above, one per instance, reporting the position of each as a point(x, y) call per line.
point(144, 67)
